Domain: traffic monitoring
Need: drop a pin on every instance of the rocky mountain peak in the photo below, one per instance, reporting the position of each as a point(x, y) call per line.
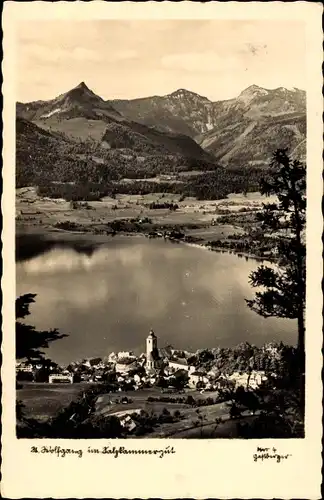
point(183, 93)
point(83, 86)
point(253, 90)
point(81, 92)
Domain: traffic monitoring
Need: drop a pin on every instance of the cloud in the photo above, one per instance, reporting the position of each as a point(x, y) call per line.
point(124, 55)
point(201, 62)
point(159, 56)
point(41, 53)
point(38, 53)
point(82, 54)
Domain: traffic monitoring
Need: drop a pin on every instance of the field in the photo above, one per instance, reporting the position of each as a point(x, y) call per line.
point(196, 218)
point(43, 401)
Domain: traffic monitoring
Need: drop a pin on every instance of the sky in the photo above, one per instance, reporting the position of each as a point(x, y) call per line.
point(120, 59)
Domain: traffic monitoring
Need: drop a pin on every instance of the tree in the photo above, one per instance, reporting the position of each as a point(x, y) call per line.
point(234, 411)
point(180, 379)
point(29, 341)
point(247, 399)
point(283, 293)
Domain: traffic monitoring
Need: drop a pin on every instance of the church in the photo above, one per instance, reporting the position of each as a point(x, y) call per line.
point(153, 359)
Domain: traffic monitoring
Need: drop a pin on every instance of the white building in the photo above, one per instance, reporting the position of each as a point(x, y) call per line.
point(127, 422)
point(60, 378)
point(178, 364)
point(126, 365)
point(153, 360)
point(24, 367)
point(112, 357)
point(252, 380)
point(196, 377)
point(125, 354)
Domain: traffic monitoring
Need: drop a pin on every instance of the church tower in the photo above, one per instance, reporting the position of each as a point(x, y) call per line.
point(152, 353)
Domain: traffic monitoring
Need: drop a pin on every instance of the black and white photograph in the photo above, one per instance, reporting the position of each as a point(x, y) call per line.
point(160, 229)
point(162, 252)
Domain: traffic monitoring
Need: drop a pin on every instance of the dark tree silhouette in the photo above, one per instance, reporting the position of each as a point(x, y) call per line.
point(283, 292)
point(29, 341)
point(285, 288)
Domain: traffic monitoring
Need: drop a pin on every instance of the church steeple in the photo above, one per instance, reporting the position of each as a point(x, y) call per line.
point(152, 353)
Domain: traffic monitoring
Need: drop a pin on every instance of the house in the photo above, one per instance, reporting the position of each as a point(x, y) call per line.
point(165, 353)
point(93, 363)
point(60, 378)
point(125, 365)
point(197, 376)
point(125, 354)
point(126, 418)
point(167, 371)
point(252, 380)
point(112, 357)
point(178, 364)
point(24, 367)
point(127, 422)
point(256, 378)
point(213, 373)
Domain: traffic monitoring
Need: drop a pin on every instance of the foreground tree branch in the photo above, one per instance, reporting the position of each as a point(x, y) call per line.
point(30, 341)
point(283, 289)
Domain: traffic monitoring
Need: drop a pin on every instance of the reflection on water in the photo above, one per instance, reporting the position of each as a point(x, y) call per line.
point(108, 297)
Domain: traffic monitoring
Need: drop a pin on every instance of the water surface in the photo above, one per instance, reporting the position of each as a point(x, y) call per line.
point(107, 297)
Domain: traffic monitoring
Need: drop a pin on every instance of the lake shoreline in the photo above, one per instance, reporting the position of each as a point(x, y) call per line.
point(68, 235)
point(217, 225)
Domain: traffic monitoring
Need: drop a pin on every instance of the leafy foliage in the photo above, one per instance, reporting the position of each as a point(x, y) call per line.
point(30, 341)
point(86, 170)
point(283, 293)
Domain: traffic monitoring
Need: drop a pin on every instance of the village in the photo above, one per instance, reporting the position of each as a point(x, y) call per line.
point(168, 368)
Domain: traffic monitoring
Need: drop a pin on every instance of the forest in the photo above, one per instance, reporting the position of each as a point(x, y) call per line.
point(90, 184)
point(75, 170)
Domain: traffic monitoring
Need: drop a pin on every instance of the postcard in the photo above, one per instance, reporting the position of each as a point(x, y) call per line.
point(162, 314)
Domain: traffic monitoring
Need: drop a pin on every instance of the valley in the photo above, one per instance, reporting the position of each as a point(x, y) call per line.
point(224, 224)
point(177, 166)
point(94, 179)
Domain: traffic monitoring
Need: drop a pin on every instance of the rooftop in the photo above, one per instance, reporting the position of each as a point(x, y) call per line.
point(179, 361)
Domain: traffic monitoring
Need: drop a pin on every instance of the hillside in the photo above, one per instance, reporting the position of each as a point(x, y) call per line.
point(240, 131)
point(47, 154)
point(181, 111)
point(251, 142)
point(254, 124)
point(80, 114)
point(77, 102)
point(64, 168)
point(79, 146)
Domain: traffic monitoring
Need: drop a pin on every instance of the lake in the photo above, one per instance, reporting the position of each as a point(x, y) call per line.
point(107, 296)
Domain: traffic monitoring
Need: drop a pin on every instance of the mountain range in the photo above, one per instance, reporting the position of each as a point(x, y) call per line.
point(244, 130)
point(239, 132)
point(80, 114)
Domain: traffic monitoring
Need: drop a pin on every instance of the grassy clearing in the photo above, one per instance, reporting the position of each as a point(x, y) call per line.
point(34, 213)
point(45, 400)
